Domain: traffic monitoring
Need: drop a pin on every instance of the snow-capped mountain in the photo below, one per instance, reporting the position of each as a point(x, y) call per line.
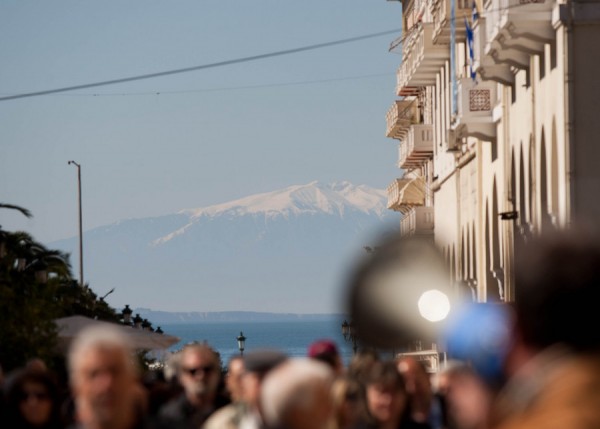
point(311, 198)
point(281, 251)
point(314, 198)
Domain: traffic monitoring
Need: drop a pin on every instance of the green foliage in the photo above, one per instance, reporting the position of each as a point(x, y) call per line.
point(36, 287)
point(27, 300)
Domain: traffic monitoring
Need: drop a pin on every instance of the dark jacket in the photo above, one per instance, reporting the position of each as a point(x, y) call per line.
point(179, 413)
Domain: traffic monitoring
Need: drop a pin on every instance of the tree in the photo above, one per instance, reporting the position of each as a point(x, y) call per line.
point(37, 287)
point(29, 274)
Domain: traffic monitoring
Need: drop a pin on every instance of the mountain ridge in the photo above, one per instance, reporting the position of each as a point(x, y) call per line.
point(245, 259)
point(296, 198)
point(158, 317)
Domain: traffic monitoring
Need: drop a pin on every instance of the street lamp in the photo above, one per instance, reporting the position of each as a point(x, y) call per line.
point(80, 222)
point(137, 321)
point(241, 342)
point(127, 312)
point(349, 335)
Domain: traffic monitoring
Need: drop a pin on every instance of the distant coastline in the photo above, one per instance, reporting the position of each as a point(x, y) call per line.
point(157, 317)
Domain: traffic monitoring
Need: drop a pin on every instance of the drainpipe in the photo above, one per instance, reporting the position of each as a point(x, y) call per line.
point(569, 83)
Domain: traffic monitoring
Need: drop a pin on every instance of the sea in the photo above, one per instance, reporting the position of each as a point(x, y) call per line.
point(290, 337)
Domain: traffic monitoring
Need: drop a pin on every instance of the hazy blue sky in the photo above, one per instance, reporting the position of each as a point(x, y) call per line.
point(156, 146)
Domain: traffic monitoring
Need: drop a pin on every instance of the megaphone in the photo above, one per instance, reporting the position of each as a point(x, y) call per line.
point(400, 294)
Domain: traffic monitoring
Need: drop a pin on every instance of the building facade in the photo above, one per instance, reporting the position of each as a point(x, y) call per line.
point(497, 118)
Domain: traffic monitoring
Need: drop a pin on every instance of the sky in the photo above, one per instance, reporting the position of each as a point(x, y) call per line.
point(156, 146)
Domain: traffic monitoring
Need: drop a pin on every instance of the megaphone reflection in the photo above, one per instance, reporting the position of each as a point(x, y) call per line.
point(400, 294)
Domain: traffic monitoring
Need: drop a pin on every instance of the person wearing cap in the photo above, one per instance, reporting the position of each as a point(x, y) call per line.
point(327, 351)
point(246, 413)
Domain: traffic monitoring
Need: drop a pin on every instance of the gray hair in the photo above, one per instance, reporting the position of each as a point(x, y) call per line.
point(293, 387)
point(99, 338)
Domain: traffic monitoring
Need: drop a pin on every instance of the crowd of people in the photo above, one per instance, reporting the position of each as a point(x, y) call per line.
point(541, 370)
point(262, 389)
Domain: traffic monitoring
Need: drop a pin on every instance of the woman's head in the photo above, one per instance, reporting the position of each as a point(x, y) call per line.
point(347, 402)
point(385, 393)
point(32, 397)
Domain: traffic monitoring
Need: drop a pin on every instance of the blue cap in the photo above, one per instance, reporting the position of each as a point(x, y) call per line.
point(479, 333)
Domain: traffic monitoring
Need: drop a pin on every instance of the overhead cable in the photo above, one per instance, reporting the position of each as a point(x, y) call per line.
point(195, 68)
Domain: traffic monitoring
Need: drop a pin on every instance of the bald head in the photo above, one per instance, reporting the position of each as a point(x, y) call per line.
point(297, 395)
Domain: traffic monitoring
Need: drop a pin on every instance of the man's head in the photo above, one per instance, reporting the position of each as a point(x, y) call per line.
point(297, 395)
point(103, 378)
point(257, 364)
point(199, 373)
point(557, 290)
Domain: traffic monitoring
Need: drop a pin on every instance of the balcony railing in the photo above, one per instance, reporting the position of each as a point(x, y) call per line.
point(516, 29)
point(400, 117)
point(475, 104)
point(421, 59)
point(417, 221)
point(406, 193)
point(442, 19)
point(417, 147)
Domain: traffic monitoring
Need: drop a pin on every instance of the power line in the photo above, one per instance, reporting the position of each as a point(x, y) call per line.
point(227, 88)
point(200, 67)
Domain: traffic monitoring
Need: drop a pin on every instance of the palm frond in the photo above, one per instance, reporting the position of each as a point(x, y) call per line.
point(23, 210)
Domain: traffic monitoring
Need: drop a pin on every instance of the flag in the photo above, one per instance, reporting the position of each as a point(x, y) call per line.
point(470, 48)
point(474, 12)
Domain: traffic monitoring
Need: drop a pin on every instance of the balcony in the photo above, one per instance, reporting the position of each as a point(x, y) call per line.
point(400, 117)
point(406, 193)
point(442, 19)
point(417, 221)
point(484, 64)
point(416, 148)
point(475, 104)
point(517, 29)
point(421, 59)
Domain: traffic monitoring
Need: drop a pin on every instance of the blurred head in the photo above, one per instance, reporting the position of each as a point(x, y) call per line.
point(36, 364)
point(348, 402)
point(327, 352)
point(467, 397)
point(418, 387)
point(32, 396)
point(297, 395)
point(103, 378)
point(233, 381)
point(199, 372)
point(257, 364)
point(557, 291)
point(385, 393)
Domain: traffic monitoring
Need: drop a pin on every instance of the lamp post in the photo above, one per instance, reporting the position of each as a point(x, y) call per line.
point(137, 321)
point(80, 222)
point(241, 342)
point(127, 312)
point(349, 335)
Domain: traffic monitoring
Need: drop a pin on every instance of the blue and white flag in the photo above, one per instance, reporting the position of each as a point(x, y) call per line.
point(470, 47)
point(474, 12)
